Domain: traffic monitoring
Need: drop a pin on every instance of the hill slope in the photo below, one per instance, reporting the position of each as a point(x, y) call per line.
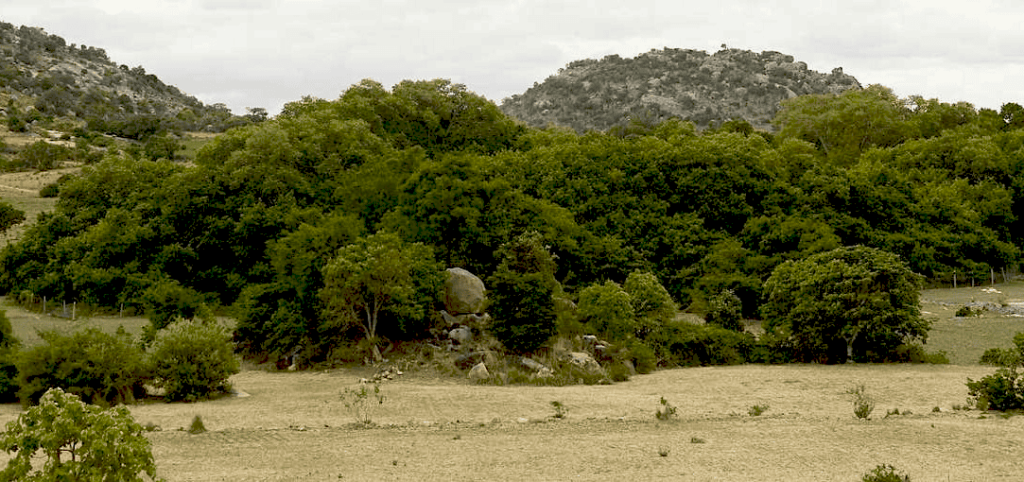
point(688, 84)
point(42, 75)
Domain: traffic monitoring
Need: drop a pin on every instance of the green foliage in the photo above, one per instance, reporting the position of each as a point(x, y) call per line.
point(757, 410)
point(80, 442)
point(666, 411)
point(9, 216)
point(885, 473)
point(1004, 389)
point(9, 346)
point(863, 404)
point(197, 426)
point(725, 310)
point(686, 344)
point(652, 305)
point(560, 409)
point(966, 311)
point(168, 300)
point(608, 310)
point(192, 360)
point(98, 367)
point(380, 277)
point(846, 304)
point(521, 296)
point(362, 403)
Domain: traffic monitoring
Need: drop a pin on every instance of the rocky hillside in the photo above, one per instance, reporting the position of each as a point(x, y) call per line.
point(41, 75)
point(688, 84)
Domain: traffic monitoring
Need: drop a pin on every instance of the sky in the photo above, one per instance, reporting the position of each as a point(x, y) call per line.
point(265, 53)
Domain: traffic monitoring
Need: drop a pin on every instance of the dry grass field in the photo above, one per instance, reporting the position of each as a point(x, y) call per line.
point(295, 426)
point(21, 190)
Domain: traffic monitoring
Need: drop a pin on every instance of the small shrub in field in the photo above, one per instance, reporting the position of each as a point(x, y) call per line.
point(50, 190)
point(560, 409)
point(697, 440)
point(863, 405)
point(757, 410)
point(197, 426)
point(362, 402)
point(663, 451)
point(666, 411)
point(98, 367)
point(103, 444)
point(192, 360)
point(885, 473)
point(965, 311)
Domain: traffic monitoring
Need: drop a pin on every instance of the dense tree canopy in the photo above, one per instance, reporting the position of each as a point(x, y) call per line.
point(266, 207)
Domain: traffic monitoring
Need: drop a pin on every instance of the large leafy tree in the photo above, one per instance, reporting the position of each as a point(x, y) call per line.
point(80, 442)
point(522, 294)
point(380, 277)
point(846, 304)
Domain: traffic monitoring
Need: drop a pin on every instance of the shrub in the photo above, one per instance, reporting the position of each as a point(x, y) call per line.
point(98, 367)
point(197, 427)
point(104, 444)
point(362, 402)
point(666, 411)
point(885, 473)
point(167, 300)
point(50, 190)
point(522, 295)
point(1004, 389)
point(965, 311)
point(687, 344)
point(8, 370)
point(725, 310)
point(863, 405)
point(192, 360)
point(608, 309)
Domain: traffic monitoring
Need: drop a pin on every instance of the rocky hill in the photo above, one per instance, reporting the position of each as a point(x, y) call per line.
point(42, 75)
point(660, 84)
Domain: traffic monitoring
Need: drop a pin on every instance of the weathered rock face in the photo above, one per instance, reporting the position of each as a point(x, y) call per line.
point(479, 372)
point(585, 361)
point(463, 292)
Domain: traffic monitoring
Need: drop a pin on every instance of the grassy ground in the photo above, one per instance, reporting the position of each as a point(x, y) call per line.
point(964, 339)
point(27, 324)
point(21, 189)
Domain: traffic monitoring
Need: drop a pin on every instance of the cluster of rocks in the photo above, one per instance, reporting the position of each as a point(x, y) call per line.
point(465, 302)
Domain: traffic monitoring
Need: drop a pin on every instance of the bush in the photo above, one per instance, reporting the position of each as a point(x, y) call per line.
point(191, 360)
point(522, 295)
point(104, 444)
point(608, 310)
point(98, 367)
point(1004, 389)
point(687, 344)
point(725, 310)
point(167, 300)
point(50, 190)
point(885, 473)
point(8, 370)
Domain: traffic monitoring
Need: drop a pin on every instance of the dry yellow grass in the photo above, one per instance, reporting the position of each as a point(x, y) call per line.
point(294, 426)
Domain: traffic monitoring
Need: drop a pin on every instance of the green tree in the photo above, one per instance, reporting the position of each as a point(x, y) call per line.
point(845, 304)
point(9, 216)
point(98, 367)
point(608, 309)
point(845, 125)
point(192, 360)
point(376, 275)
point(80, 442)
point(522, 295)
point(725, 309)
point(652, 305)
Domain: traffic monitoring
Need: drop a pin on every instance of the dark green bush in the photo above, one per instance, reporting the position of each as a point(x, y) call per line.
point(687, 344)
point(98, 367)
point(167, 300)
point(1004, 389)
point(8, 370)
point(50, 190)
point(192, 360)
point(725, 310)
point(885, 473)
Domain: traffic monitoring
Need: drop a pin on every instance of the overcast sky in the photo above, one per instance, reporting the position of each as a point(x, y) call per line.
point(263, 53)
